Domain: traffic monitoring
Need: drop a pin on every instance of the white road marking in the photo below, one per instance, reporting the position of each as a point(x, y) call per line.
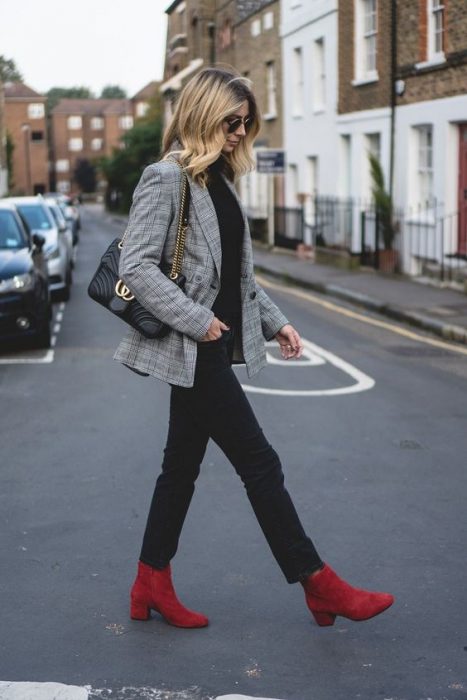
point(313, 353)
point(307, 296)
point(41, 691)
point(10, 690)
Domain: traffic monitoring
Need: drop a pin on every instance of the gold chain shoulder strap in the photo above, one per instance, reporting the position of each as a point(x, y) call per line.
point(181, 229)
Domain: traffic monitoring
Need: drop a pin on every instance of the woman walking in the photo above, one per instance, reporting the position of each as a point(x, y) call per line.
point(222, 318)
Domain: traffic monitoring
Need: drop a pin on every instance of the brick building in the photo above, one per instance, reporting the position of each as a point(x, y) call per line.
point(86, 129)
point(431, 127)
point(26, 125)
point(3, 157)
point(141, 100)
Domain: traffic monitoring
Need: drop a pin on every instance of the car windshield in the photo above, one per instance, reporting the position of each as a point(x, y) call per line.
point(36, 216)
point(11, 236)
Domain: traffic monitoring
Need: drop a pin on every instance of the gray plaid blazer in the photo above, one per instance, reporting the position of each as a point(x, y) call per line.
point(149, 244)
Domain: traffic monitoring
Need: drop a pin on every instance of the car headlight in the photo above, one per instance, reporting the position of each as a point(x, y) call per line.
point(52, 253)
point(18, 283)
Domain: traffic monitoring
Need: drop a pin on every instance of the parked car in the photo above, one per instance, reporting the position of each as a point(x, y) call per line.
point(25, 307)
point(70, 210)
point(39, 219)
point(63, 227)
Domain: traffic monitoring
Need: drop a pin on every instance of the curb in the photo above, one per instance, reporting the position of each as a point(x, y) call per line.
point(444, 330)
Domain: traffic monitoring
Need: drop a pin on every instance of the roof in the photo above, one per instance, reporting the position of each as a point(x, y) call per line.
point(92, 107)
point(245, 8)
point(21, 91)
point(147, 91)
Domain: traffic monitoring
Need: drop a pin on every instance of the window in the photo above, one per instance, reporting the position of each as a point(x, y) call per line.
point(435, 28)
point(63, 186)
point(62, 166)
point(74, 122)
point(271, 108)
point(256, 27)
point(36, 111)
point(96, 144)
point(97, 123)
point(366, 35)
point(373, 147)
point(75, 145)
point(37, 135)
point(126, 122)
point(268, 21)
point(319, 71)
point(297, 86)
point(141, 109)
point(424, 165)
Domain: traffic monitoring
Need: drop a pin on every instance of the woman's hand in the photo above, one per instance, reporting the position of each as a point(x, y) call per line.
point(215, 330)
point(290, 342)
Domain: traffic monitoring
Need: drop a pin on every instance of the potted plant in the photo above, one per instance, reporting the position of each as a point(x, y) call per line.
point(384, 216)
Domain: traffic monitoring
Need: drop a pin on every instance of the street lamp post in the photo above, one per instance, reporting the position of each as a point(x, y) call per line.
point(26, 129)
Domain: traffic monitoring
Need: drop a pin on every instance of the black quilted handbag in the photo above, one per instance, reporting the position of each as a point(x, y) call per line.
point(109, 290)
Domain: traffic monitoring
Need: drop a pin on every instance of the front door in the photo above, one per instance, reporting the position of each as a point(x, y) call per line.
point(462, 235)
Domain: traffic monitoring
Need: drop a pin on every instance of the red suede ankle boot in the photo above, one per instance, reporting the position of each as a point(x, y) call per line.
point(153, 588)
point(327, 595)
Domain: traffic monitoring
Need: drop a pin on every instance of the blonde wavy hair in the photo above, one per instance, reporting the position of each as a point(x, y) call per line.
point(195, 135)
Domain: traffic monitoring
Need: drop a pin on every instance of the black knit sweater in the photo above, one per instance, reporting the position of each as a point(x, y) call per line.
point(231, 225)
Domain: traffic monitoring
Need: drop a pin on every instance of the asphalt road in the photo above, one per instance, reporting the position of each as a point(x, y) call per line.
point(372, 435)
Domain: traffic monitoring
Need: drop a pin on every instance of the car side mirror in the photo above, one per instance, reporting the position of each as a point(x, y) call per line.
point(38, 240)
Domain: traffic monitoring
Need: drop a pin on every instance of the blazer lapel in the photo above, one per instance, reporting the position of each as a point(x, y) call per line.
point(207, 218)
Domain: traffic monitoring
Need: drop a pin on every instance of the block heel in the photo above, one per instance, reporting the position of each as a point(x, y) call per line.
point(324, 619)
point(139, 611)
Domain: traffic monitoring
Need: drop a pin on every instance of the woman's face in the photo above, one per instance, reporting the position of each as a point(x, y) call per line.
point(232, 139)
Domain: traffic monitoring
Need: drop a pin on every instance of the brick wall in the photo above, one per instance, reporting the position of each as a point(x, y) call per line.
point(30, 157)
point(372, 95)
point(436, 81)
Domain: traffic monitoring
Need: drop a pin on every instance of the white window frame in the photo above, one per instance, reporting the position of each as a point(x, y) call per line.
point(268, 21)
point(271, 87)
point(425, 170)
point(436, 19)
point(126, 122)
point(74, 122)
point(319, 74)
point(63, 186)
point(365, 36)
point(75, 144)
point(255, 27)
point(141, 109)
point(97, 144)
point(62, 165)
point(97, 123)
point(297, 82)
point(36, 110)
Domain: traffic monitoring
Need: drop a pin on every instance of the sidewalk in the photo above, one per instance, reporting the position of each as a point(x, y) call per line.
point(440, 311)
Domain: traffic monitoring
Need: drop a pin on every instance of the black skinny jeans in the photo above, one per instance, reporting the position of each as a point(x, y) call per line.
point(216, 407)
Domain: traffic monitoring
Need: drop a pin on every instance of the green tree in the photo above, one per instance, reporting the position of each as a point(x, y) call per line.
point(55, 94)
point(111, 92)
point(9, 73)
point(141, 146)
point(382, 201)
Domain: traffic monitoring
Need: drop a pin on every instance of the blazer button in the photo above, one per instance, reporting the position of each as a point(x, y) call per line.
point(252, 295)
point(198, 277)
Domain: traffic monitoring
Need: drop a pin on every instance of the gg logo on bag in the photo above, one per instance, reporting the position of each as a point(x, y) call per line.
point(122, 291)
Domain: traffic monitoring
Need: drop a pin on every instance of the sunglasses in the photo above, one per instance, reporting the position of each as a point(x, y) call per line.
point(234, 123)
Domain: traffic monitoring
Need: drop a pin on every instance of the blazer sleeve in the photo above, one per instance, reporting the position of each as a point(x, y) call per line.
point(151, 214)
point(272, 318)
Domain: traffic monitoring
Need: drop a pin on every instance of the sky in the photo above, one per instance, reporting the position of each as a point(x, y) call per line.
point(91, 42)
